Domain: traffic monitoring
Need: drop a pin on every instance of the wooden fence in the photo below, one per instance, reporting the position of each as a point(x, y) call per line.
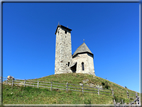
point(60, 86)
point(64, 86)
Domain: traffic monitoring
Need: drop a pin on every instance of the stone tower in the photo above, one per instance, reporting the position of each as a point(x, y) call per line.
point(63, 54)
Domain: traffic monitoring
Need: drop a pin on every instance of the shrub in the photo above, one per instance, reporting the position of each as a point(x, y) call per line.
point(103, 83)
point(107, 86)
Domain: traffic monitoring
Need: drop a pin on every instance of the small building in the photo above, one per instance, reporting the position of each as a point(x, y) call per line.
point(80, 62)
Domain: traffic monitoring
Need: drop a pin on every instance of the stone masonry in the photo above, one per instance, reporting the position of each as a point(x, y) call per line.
point(63, 55)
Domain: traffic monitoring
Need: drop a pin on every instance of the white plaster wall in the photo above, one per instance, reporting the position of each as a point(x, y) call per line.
point(91, 65)
point(88, 63)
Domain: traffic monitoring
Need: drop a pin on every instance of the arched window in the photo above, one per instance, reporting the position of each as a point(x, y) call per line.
point(82, 66)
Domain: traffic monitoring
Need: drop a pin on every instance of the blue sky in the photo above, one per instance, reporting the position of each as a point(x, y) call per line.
point(110, 30)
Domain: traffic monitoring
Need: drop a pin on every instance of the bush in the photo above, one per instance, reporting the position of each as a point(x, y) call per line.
point(103, 83)
point(107, 86)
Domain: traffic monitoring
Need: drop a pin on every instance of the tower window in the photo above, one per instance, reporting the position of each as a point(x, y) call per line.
point(68, 63)
point(65, 32)
point(82, 66)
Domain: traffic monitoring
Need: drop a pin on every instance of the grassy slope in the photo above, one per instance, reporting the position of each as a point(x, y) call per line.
point(30, 95)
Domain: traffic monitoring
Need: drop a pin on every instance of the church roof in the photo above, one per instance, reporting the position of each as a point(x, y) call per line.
point(82, 49)
point(63, 28)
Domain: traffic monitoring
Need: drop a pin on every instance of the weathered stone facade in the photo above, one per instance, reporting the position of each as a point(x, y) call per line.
point(63, 56)
point(80, 62)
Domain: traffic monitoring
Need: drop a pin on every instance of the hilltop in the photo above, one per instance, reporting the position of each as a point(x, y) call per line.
point(32, 95)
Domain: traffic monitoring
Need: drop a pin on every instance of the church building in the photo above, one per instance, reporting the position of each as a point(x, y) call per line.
point(80, 62)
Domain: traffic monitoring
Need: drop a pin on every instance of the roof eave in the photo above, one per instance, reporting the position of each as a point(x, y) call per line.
point(74, 55)
point(62, 27)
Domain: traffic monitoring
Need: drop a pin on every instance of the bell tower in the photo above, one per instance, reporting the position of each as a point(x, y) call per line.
point(63, 53)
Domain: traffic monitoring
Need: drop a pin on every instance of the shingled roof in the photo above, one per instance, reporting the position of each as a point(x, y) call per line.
point(82, 49)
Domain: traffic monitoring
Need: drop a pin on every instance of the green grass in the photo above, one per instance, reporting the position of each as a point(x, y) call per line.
point(32, 95)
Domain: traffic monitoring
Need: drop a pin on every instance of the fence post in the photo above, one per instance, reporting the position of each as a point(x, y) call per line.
point(24, 83)
point(37, 84)
point(113, 95)
point(67, 86)
point(98, 91)
point(12, 82)
point(82, 88)
point(112, 92)
point(136, 95)
point(114, 101)
point(51, 86)
point(138, 99)
point(127, 94)
point(136, 102)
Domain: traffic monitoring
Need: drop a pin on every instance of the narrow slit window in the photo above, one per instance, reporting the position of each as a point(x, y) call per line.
point(65, 32)
point(68, 63)
point(82, 66)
